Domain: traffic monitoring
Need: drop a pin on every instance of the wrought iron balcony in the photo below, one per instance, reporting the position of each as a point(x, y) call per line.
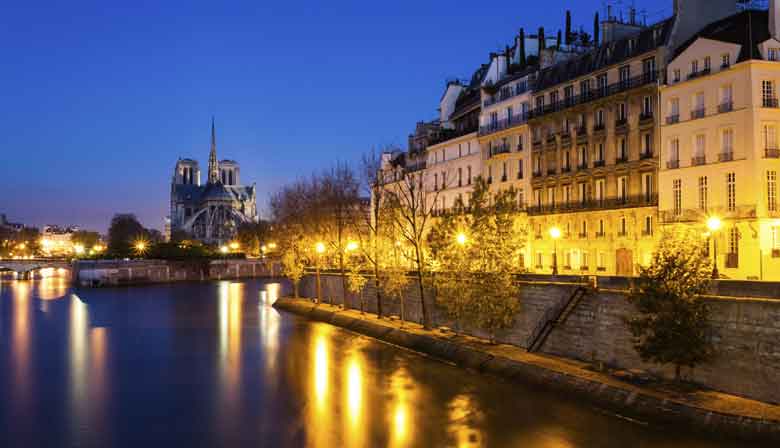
point(771, 102)
point(594, 204)
point(506, 123)
point(698, 113)
point(621, 126)
point(565, 139)
point(646, 154)
point(551, 171)
point(672, 119)
point(599, 163)
point(582, 165)
point(418, 166)
point(772, 153)
point(727, 156)
point(595, 94)
point(673, 164)
point(726, 106)
point(621, 159)
point(698, 160)
point(699, 74)
point(499, 149)
point(646, 118)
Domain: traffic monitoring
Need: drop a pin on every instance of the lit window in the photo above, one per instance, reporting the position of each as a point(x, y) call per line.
point(731, 191)
point(771, 190)
point(677, 195)
point(703, 193)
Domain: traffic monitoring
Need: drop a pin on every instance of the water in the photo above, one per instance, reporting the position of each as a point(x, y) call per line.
point(208, 364)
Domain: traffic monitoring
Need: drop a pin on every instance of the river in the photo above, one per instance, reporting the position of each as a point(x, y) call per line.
point(211, 364)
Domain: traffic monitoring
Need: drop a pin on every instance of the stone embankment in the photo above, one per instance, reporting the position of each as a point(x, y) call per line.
point(705, 410)
point(135, 272)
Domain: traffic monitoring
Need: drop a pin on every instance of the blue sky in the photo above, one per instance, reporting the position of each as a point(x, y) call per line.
point(98, 100)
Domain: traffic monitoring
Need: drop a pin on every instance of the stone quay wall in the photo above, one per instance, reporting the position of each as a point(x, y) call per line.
point(745, 327)
point(133, 272)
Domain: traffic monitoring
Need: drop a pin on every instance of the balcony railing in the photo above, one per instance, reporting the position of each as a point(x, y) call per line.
point(699, 74)
point(593, 204)
point(646, 118)
point(673, 164)
point(419, 166)
point(621, 126)
point(599, 163)
point(582, 166)
point(698, 160)
point(565, 139)
point(499, 149)
point(772, 153)
point(599, 129)
point(770, 102)
point(595, 94)
point(566, 169)
point(698, 113)
point(506, 123)
point(646, 154)
point(537, 174)
point(551, 171)
point(502, 96)
point(672, 119)
point(621, 159)
point(727, 156)
point(726, 106)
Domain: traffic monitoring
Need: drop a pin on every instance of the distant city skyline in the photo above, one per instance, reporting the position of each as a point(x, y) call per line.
point(101, 100)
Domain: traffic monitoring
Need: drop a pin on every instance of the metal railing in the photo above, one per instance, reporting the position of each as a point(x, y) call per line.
point(506, 123)
point(673, 164)
point(499, 149)
point(698, 113)
point(770, 102)
point(772, 153)
point(672, 119)
point(643, 200)
point(726, 106)
point(727, 156)
point(698, 160)
point(595, 94)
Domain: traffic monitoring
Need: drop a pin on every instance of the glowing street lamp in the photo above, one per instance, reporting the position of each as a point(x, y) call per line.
point(234, 246)
point(352, 246)
point(224, 250)
point(461, 239)
point(555, 234)
point(140, 247)
point(714, 224)
point(78, 249)
point(320, 249)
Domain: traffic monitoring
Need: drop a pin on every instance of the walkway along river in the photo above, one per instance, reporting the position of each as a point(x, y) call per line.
point(211, 364)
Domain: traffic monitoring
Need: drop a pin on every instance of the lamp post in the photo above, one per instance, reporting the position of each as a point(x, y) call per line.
point(714, 224)
point(555, 233)
point(320, 249)
point(461, 239)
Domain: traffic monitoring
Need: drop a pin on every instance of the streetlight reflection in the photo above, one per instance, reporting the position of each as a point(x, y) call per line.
point(355, 428)
point(464, 418)
point(401, 412)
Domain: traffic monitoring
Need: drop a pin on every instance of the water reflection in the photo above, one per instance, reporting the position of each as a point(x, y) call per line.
point(319, 417)
point(402, 391)
point(355, 427)
point(21, 348)
point(231, 298)
point(465, 419)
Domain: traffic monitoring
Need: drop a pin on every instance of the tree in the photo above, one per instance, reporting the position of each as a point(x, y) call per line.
point(290, 212)
point(673, 321)
point(412, 204)
point(356, 281)
point(293, 267)
point(124, 231)
point(253, 236)
point(477, 251)
point(85, 238)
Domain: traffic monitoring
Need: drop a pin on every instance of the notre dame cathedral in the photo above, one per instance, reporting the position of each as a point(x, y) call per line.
point(210, 213)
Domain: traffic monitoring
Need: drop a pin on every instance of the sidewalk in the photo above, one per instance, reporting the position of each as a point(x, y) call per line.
point(707, 410)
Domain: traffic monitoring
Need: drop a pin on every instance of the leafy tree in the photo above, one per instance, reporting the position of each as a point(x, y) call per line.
point(673, 321)
point(356, 281)
point(85, 238)
point(476, 251)
point(123, 232)
point(293, 267)
point(252, 236)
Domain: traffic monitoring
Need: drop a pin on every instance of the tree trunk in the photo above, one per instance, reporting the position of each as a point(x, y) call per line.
point(677, 375)
point(295, 290)
point(378, 293)
point(426, 321)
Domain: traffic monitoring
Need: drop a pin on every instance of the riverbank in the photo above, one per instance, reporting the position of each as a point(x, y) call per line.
point(139, 272)
point(703, 409)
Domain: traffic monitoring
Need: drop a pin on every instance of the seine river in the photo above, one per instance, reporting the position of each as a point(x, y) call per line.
point(210, 364)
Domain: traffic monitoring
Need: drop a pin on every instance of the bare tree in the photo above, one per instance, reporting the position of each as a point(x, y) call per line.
point(413, 206)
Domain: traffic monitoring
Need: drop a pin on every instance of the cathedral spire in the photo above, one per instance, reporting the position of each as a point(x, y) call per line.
point(213, 164)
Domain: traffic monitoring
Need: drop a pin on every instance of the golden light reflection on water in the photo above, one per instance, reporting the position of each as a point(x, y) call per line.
point(269, 331)
point(401, 388)
point(52, 287)
point(21, 332)
point(464, 418)
point(318, 416)
point(356, 419)
point(77, 351)
point(231, 298)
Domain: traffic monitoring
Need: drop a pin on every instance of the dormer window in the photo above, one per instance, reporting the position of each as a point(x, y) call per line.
point(631, 45)
point(707, 63)
point(725, 61)
point(694, 67)
point(676, 75)
point(773, 54)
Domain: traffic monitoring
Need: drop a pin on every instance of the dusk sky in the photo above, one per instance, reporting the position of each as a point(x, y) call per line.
point(98, 99)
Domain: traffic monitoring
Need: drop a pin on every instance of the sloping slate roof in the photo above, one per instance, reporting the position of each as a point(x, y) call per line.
point(217, 192)
point(606, 55)
point(193, 191)
point(747, 28)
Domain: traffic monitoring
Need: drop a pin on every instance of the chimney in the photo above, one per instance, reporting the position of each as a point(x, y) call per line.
point(774, 18)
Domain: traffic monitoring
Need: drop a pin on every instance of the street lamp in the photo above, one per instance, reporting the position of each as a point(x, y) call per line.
point(555, 233)
point(461, 239)
point(714, 224)
point(234, 246)
point(224, 250)
point(352, 246)
point(320, 249)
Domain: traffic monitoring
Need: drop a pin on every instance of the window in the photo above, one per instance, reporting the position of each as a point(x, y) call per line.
point(538, 198)
point(601, 227)
point(568, 93)
point(768, 93)
point(521, 198)
point(775, 232)
point(770, 136)
point(674, 150)
point(727, 143)
point(731, 191)
point(647, 107)
point(566, 160)
point(772, 54)
point(674, 108)
point(725, 60)
point(503, 173)
point(623, 149)
point(585, 87)
point(468, 176)
point(622, 112)
point(551, 196)
point(623, 229)
point(694, 67)
point(435, 181)
point(520, 142)
point(676, 75)
point(520, 169)
point(583, 156)
point(584, 229)
point(771, 190)
point(622, 186)
point(647, 145)
point(647, 186)
point(625, 74)
point(583, 187)
point(600, 152)
point(539, 260)
point(602, 261)
point(648, 66)
point(584, 263)
point(734, 240)
point(601, 190)
point(601, 82)
point(727, 95)
point(648, 231)
point(599, 118)
point(701, 142)
point(707, 63)
point(460, 150)
point(703, 193)
point(677, 196)
point(567, 194)
point(540, 102)
point(460, 177)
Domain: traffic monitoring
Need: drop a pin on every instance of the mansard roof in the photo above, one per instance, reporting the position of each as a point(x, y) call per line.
point(606, 55)
point(748, 28)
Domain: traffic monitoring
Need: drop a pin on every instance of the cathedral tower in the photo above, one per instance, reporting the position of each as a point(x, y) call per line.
point(213, 164)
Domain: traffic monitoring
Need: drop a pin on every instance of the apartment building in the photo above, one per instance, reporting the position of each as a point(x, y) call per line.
point(719, 154)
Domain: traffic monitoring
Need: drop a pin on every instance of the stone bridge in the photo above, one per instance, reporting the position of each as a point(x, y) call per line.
point(27, 268)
